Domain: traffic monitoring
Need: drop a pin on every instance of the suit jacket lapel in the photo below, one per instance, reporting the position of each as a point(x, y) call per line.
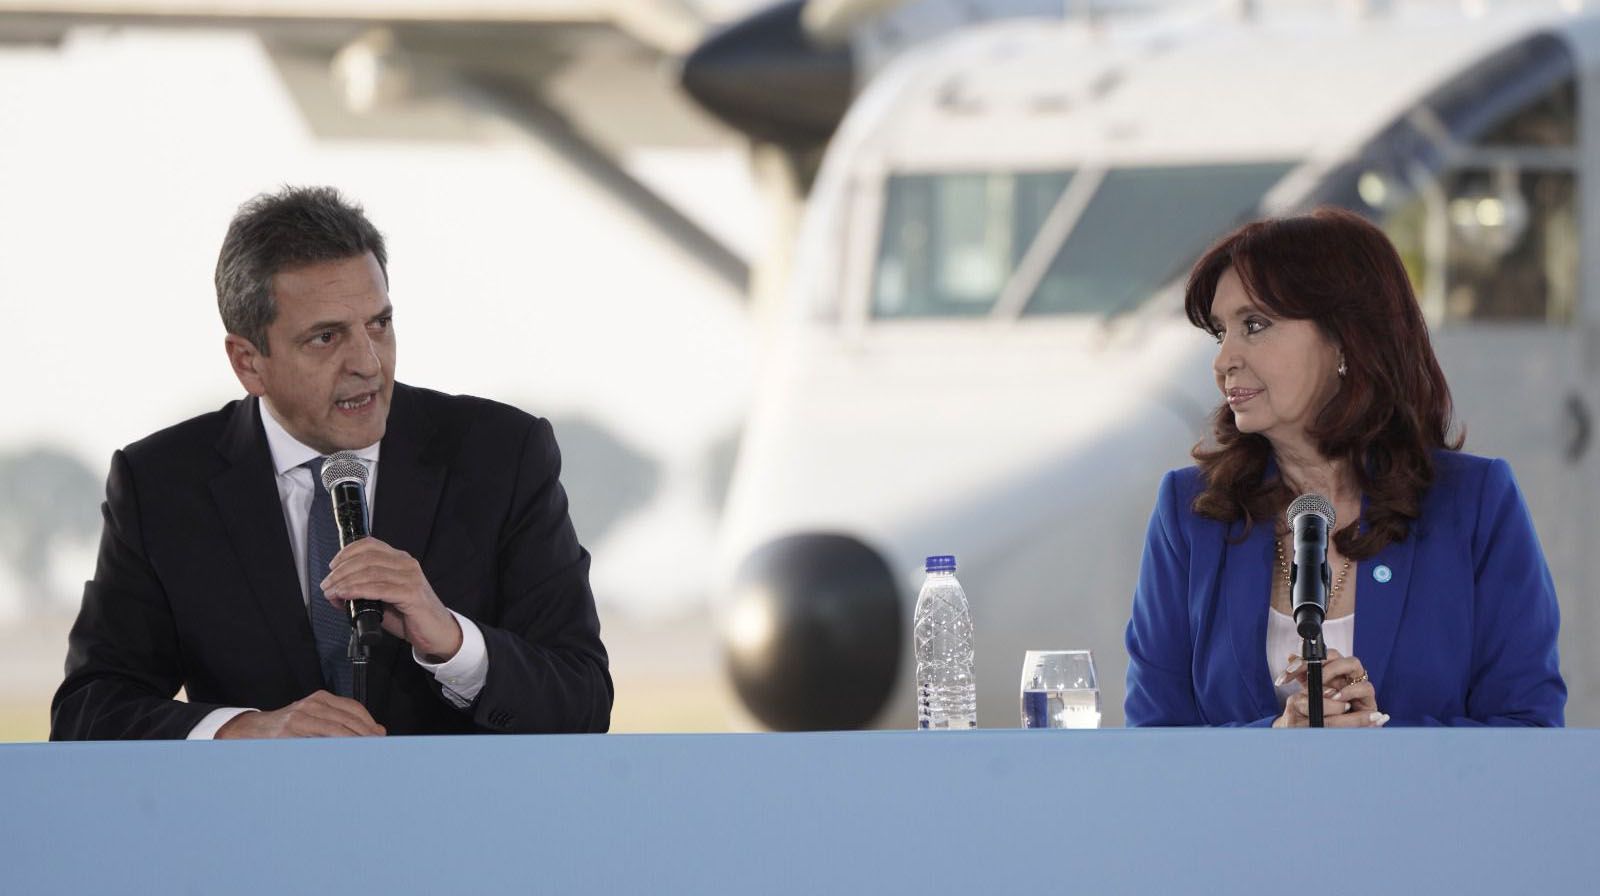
point(409, 484)
point(246, 495)
point(409, 481)
point(1384, 584)
point(1246, 581)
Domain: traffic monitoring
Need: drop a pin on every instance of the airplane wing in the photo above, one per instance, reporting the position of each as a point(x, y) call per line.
point(592, 79)
point(670, 26)
point(598, 61)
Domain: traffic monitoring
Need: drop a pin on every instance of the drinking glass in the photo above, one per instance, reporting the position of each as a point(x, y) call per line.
point(1059, 690)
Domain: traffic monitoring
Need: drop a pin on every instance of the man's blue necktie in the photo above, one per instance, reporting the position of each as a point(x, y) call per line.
point(329, 624)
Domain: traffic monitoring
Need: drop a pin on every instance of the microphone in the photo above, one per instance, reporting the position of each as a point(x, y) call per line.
point(1311, 520)
point(345, 478)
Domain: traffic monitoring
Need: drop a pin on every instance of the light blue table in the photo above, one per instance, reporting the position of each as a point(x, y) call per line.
point(884, 812)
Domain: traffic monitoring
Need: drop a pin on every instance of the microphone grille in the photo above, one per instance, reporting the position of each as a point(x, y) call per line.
point(1307, 503)
point(343, 466)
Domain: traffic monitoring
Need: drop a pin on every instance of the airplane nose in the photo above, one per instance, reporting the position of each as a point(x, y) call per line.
point(813, 633)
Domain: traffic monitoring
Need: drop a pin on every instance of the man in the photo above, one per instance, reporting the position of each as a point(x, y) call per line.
point(214, 572)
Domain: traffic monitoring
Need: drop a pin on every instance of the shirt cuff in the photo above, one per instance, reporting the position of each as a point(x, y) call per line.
point(463, 675)
point(213, 722)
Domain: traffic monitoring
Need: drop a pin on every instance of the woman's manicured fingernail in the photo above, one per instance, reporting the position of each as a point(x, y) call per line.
point(1282, 677)
point(1337, 695)
point(1294, 666)
point(1378, 718)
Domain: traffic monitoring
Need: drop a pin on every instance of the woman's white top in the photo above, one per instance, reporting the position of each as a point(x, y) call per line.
point(1282, 640)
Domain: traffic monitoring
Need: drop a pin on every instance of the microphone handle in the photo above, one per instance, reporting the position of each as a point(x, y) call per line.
point(349, 511)
point(1309, 578)
point(350, 515)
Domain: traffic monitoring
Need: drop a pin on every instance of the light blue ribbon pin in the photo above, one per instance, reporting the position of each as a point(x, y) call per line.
point(1381, 573)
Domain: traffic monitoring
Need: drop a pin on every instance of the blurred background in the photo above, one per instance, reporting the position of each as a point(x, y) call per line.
point(808, 289)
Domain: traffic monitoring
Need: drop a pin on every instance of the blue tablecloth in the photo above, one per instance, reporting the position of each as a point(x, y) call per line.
point(885, 812)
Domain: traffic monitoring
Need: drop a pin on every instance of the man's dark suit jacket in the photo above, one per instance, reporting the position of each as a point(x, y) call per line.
point(195, 585)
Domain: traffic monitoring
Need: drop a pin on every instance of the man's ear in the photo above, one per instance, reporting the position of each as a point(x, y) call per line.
point(246, 362)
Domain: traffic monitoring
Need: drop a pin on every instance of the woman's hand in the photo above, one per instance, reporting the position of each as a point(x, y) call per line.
point(1348, 698)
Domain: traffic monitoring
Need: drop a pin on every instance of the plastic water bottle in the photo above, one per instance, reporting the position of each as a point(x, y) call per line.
point(947, 692)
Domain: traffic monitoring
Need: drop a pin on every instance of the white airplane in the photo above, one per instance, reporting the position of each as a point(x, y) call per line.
point(981, 350)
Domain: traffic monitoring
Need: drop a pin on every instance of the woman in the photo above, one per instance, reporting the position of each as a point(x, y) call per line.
point(1330, 386)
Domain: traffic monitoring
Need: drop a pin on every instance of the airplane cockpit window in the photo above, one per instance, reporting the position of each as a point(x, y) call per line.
point(1486, 220)
point(951, 241)
point(1142, 228)
point(1550, 120)
point(1513, 250)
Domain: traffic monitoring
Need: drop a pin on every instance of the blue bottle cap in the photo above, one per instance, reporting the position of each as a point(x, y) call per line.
point(941, 563)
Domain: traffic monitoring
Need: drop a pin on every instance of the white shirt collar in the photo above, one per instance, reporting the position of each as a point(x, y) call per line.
point(289, 452)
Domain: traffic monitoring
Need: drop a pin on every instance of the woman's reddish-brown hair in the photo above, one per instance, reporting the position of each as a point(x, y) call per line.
point(1392, 410)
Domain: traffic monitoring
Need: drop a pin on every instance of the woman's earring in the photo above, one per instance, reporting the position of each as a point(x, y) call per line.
point(1343, 369)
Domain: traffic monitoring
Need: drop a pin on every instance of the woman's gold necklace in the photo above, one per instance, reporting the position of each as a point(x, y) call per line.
point(1338, 582)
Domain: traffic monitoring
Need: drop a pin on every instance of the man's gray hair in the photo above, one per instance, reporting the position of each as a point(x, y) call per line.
point(275, 232)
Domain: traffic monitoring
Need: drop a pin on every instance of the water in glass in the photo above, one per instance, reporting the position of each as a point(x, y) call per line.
point(1059, 690)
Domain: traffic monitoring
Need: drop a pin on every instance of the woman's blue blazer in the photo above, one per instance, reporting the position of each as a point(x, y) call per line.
point(1456, 624)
